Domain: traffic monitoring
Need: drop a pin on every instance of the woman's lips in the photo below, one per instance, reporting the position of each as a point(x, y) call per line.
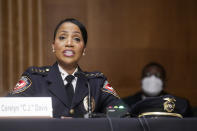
point(68, 53)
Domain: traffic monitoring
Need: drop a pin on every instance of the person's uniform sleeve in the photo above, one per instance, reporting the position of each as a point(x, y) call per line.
point(25, 86)
point(107, 94)
point(110, 96)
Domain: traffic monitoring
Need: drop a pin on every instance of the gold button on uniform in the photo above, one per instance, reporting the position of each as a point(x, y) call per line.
point(72, 111)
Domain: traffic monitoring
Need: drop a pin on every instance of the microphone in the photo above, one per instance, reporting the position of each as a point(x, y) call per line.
point(82, 75)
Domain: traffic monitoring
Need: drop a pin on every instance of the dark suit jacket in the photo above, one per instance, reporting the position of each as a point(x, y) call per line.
point(47, 82)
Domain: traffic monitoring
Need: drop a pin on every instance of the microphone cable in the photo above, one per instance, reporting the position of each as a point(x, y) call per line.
point(147, 124)
point(110, 123)
point(144, 124)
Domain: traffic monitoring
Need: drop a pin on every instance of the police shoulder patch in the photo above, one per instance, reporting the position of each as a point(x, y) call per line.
point(23, 84)
point(108, 88)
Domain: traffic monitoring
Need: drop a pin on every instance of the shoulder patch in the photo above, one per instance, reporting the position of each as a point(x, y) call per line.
point(108, 88)
point(40, 70)
point(23, 84)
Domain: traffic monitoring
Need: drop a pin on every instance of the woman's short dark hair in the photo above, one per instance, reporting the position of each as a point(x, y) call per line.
point(76, 22)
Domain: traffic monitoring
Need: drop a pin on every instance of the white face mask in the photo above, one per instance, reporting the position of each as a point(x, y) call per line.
point(152, 86)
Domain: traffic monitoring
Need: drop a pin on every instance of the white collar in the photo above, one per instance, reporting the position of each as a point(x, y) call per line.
point(64, 74)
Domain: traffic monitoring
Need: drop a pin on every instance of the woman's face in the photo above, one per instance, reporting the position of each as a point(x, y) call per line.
point(68, 45)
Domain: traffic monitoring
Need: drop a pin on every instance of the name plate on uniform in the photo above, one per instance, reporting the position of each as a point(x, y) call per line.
point(26, 107)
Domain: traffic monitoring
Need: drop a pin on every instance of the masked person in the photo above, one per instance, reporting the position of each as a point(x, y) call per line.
point(153, 80)
point(64, 81)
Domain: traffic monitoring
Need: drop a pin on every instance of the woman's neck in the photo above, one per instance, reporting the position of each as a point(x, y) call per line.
point(68, 68)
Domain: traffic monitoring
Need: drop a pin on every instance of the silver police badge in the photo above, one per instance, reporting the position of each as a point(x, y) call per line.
point(169, 104)
point(85, 103)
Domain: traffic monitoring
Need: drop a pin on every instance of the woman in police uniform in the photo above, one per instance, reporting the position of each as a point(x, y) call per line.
point(64, 81)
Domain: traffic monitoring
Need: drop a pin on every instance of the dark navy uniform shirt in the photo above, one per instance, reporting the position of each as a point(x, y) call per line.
point(47, 82)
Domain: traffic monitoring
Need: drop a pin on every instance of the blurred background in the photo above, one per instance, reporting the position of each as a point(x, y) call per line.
point(124, 35)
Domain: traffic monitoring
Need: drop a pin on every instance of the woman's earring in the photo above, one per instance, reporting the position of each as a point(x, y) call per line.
point(84, 53)
point(53, 50)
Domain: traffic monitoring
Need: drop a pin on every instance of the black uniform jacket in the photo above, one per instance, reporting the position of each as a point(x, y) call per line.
point(47, 82)
point(135, 101)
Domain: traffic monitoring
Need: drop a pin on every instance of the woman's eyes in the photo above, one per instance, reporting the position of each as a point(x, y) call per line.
point(77, 39)
point(62, 37)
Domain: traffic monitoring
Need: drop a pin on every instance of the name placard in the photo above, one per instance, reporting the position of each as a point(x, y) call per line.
point(26, 107)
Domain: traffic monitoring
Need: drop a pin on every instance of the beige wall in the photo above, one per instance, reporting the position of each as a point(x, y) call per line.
point(124, 35)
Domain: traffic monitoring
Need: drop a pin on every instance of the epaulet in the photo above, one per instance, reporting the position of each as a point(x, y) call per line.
point(94, 74)
point(39, 70)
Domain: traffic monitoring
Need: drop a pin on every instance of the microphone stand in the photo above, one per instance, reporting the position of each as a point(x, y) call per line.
point(89, 113)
